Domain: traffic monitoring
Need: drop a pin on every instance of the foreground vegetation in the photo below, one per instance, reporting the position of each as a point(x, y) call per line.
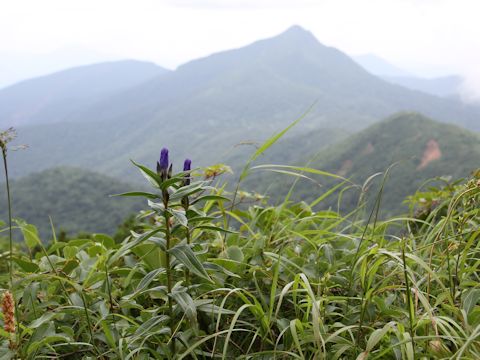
point(212, 274)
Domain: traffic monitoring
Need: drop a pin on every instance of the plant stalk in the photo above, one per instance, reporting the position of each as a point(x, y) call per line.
point(10, 239)
point(186, 205)
point(9, 204)
point(168, 270)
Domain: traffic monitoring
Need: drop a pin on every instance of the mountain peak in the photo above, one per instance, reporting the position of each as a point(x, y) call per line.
point(296, 29)
point(296, 32)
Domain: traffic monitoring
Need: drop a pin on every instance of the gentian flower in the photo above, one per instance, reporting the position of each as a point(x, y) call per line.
point(162, 165)
point(187, 166)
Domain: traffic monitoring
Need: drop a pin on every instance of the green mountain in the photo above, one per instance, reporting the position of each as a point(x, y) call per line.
point(421, 148)
point(76, 200)
point(207, 106)
point(56, 97)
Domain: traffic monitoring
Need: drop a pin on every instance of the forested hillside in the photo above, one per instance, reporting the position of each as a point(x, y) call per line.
point(76, 200)
point(418, 148)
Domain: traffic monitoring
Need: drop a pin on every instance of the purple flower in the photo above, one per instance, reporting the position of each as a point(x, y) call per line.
point(187, 166)
point(162, 165)
point(164, 159)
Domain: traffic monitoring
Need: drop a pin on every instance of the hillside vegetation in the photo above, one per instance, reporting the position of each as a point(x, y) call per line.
point(419, 149)
point(77, 200)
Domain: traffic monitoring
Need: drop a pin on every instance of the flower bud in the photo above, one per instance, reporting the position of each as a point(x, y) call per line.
point(162, 164)
point(187, 166)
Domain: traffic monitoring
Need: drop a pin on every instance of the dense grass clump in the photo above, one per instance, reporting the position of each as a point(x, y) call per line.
point(213, 274)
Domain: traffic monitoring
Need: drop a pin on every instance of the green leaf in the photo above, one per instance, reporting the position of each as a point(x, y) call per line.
point(69, 266)
point(377, 336)
point(154, 325)
point(152, 177)
point(184, 300)
point(30, 235)
point(187, 257)
point(138, 239)
point(70, 252)
point(167, 183)
point(157, 206)
point(145, 282)
point(470, 300)
point(210, 197)
point(46, 341)
point(138, 194)
point(186, 191)
point(235, 253)
point(105, 240)
point(107, 331)
point(179, 215)
point(200, 219)
point(46, 317)
point(25, 265)
point(215, 228)
point(273, 167)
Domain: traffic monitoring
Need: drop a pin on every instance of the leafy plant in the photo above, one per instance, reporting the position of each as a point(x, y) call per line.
point(203, 277)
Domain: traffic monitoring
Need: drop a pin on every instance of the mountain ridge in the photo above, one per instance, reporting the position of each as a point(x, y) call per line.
point(54, 97)
point(247, 93)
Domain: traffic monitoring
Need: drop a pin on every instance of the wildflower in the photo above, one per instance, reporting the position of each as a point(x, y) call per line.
point(187, 166)
point(8, 310)
point(5, 137)
point(162, 166)
point(213, 171)
point(164, 159)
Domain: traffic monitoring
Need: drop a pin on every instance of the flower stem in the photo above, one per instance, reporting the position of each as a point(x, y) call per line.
point(186, 205)
point(10, 237)
point(9, 202)
point(169, 270)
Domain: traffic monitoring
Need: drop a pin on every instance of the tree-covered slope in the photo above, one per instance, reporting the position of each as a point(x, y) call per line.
point(76, 200)
point(56, 97)
point(421, 148)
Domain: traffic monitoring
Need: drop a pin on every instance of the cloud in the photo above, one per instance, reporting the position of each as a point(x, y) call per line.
point(470, 89)
point(241, 4)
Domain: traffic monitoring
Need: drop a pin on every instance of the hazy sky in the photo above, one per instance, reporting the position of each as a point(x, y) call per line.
point(428, 37)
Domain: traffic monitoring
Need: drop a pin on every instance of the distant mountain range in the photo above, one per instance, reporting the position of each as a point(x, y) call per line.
point(378, 66)
point(422, 148)
point(444, 86)
point(58, 97)
point(77, 200)
point(207, 106)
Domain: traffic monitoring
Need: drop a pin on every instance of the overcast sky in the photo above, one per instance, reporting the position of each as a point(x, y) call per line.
point(427, 37)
